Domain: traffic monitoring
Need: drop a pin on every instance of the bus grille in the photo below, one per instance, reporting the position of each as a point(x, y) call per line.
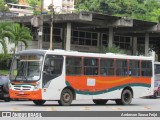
point(23, 87)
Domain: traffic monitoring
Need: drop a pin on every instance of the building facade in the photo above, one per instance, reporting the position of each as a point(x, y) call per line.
point(89, 32)
point(20, 9)
point(60, 6)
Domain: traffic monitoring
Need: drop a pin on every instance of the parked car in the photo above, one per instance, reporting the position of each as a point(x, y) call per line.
point(156, 89)
point(4, 89)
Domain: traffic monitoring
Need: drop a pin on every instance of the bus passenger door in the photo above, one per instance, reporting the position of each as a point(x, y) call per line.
point(52, 74)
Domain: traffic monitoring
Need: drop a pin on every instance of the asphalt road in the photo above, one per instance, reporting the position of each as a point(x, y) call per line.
point(141, 104)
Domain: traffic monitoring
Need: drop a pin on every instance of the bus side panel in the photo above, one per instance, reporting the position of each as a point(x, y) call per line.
point(54, 89)
point(141, 91)
point(107, 87)
point(110, 95)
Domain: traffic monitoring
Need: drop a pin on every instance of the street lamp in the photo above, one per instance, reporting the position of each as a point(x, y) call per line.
point(51, 8)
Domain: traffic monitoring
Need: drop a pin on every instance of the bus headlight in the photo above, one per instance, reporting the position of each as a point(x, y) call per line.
point(10, 86)
point(37, 86)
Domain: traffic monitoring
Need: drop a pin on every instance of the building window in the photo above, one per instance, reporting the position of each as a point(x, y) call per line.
point(146, 68)
point(107, 67)
point(122, 41)
point(134, 68)
point(104, 39)
point(56, 34)
point(121, 68)
point(84, 38)
point(90, 66)
point(68, 7)
point(73, 66)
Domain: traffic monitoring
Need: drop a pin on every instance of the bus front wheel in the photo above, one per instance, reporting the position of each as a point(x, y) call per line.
point(100, 102)
point(66, 97)
point(126, 98)
point(39, 102)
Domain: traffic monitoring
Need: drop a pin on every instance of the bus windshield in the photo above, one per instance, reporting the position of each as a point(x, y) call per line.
point(26, 68)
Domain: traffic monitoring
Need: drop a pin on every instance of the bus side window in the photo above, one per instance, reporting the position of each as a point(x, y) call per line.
point(121, 67)
point(52, 67)
point(134, 66)
point(146, 68)
point(107, 67)
point(73, 65)
point(90, 66)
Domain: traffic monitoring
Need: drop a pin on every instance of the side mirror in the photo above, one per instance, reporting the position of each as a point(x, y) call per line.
point(44, 72)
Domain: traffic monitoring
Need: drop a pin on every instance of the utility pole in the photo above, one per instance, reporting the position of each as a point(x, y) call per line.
point(37, 21)
point(40, 32)
point(51, 29)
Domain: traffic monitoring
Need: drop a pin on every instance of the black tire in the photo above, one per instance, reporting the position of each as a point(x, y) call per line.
point(100, 102)
point(5, 88)
point(126, 98)
point(39, 102)
point(155, 95)
point(7, 99)
point(66, 97)
point(118, 102)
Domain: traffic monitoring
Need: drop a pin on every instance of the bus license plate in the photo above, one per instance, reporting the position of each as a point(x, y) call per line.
point(21, 93)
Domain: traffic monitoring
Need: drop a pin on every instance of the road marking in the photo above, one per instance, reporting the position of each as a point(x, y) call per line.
point(146, 107)
point(15, 109)
point(86, 108)
point(51, 109)
point(114, 108)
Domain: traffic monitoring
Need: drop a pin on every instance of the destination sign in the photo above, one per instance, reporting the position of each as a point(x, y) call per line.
point(30, 57)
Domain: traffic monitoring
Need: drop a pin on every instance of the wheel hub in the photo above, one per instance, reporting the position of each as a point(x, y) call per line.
point(66, 97)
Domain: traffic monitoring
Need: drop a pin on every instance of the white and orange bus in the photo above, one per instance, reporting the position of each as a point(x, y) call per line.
point(63, 76)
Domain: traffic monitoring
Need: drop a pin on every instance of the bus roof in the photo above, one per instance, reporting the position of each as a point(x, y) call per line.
point(103, 55)
point(85, 54)
point(157, 63)
point(32, 51)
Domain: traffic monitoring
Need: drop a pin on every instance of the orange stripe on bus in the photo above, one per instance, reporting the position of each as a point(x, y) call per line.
point(113, 81)
point(103, 83)
point(18, 83)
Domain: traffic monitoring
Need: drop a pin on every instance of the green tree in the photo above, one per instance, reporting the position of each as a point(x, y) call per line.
point(21, 34)
point(36, 4)
point(3, 7)
point(137, 9)
point(3, 34)
point(113, 49)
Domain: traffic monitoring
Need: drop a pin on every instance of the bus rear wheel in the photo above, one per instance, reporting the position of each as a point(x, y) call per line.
point(66, 97)
point(39, 102)
point(126, 98)
point(100, 102)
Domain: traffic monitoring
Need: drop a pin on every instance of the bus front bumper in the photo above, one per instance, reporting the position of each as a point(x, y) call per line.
point(31, 95)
